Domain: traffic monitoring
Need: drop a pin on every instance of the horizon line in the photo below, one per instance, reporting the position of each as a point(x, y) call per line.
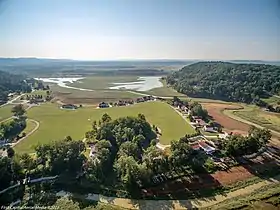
point(138, 59)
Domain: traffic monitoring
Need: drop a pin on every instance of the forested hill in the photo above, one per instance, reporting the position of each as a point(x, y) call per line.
point(10, 83)
point(228, 81)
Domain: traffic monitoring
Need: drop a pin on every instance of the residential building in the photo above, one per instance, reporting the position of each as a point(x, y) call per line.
point(209, 128)
point(103, 105)
point(69, 106)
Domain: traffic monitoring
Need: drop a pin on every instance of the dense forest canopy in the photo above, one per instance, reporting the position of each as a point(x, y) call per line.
point(10, 83)
point(228, 81)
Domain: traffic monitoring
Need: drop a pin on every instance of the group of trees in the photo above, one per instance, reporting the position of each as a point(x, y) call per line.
point(37, 84)
point(195, 108)
point(11, 128)
point(120, 145)
point(10, 83)
point(39, 98)
point(238, 145)
point(18, 110)
point(228, 81)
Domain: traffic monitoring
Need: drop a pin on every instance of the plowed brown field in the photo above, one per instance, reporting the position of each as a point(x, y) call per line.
point(215, 110)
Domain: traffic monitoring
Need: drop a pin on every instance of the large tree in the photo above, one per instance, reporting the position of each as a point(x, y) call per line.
point(180, 153)
point(18, 110)
point(238, 145)
point(62, 156)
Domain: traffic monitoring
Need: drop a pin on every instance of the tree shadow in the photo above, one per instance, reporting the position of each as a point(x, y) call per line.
point(265, 165)
point(181, 190)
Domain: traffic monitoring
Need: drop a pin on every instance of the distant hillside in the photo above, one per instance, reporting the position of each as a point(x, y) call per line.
point(37, 67)
point(10, 83)
point(227, 81)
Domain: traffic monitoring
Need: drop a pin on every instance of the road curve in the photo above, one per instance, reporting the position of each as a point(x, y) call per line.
point(30, 133)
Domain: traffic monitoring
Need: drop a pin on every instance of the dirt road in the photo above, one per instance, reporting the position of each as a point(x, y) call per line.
point(28, 134)
point(180, 204)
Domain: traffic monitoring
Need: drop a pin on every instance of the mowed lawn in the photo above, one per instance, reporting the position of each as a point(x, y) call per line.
point(56, 123)
point(5, 112)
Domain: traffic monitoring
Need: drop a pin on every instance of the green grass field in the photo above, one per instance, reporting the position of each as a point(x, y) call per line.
point(5, 112)
point(272, 100)
point(56, 123)
point(256, 115)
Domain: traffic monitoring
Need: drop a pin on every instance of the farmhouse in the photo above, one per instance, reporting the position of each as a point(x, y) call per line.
point(148, 98)
point(184, 109)
point(121, 103)
point(209, 128)
point(204, 146)
point(69, 106)
point(139, 100)
point(103, 105)
point(200, 122)
point(195, 146)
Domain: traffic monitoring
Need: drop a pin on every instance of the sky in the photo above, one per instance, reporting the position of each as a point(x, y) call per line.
point(140, 29)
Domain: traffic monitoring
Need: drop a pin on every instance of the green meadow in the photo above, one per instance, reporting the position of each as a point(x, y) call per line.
point(56, 123)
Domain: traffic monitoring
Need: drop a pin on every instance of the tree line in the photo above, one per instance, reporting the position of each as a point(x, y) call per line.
point(227, 81)
point(10, 83)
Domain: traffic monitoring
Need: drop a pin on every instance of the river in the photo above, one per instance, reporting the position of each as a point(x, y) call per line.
point(142, 83)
